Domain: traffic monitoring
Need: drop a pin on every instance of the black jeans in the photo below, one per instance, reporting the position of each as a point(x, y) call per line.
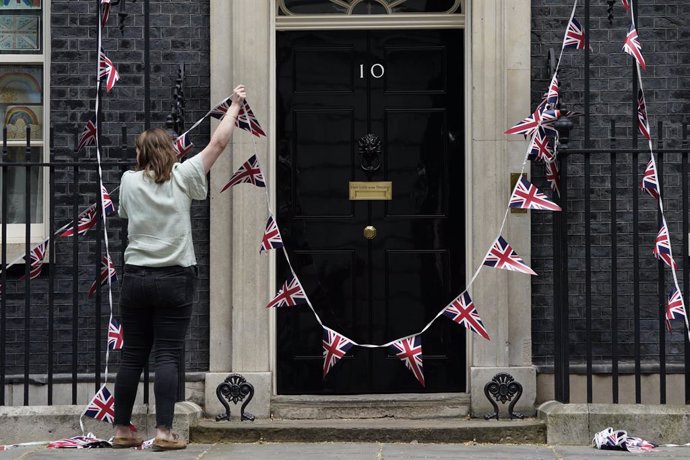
point(156, 307)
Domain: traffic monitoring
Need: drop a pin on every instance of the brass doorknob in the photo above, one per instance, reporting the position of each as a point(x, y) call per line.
point(369, 232)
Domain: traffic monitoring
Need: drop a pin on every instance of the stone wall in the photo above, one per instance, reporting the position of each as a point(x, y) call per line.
point(179, 35)
point(664, 30)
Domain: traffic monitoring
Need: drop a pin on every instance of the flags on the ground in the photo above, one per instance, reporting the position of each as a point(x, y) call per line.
point(501, 255)
point(249, 172)
point(334, 348)
point(409, 351)
point(633, 47)
point(527, 196)
point(271, 238)
point(289, 295)
point(462, 311)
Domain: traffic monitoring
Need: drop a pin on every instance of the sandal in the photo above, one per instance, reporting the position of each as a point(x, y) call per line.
point(165, 444)
point(124, 443)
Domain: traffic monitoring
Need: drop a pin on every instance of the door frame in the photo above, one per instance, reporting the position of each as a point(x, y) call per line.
point(375, 22)
point(498, 73)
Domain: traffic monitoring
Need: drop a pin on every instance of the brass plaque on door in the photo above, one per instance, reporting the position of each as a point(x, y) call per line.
point(371, 190)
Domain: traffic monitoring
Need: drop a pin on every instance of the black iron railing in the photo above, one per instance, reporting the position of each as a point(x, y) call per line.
point(41, 300)
point(622, 300)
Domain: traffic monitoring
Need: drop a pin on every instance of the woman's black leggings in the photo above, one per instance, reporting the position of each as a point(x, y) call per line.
point(156, 307)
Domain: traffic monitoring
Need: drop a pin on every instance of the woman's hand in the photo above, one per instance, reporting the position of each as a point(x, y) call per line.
point(238, 94)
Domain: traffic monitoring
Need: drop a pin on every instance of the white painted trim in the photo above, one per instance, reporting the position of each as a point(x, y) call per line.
point(469, 198)
point(374, 22)
point(272, 143)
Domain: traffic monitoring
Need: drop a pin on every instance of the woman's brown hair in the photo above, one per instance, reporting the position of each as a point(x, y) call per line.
point(156, 155)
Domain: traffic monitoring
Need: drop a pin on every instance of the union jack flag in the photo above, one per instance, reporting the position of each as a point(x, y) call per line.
point(675, 308)
point(221, 109)
point(501, 255)
point(632, 46)
point(105, 4)
point(334, 348)
point(552, 94)
point(289, 295)
point(540, 147)
point(101, 406)
point(462, 311)
point(553, 176)
point(37, 254)
point(574, 35)
point(247, 120)
point(530, 124)
point(626, 5)
point(87, 220)
point(662, 247)
point(271, 238)
point(650, 183)
point(183, 145)
point(108, 206)
point(642, 120)
point(115, 336)
point(88, 136)
point(527, 196)
point(107, 271)
point(249, 172)
point(409, 351)
point(107, 70)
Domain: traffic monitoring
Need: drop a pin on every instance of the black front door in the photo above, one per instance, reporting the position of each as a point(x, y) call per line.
point(404, 88)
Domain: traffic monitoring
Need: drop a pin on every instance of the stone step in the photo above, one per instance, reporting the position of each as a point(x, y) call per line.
point(406, 406)
point(442, 431)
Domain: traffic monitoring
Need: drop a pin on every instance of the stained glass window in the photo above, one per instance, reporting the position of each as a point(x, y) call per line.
point(363, 7)
point(22, 98)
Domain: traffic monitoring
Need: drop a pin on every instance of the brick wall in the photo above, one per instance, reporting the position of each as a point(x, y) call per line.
point(179, 35)
point(664, 29)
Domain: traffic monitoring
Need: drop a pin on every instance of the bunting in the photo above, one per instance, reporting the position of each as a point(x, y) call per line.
point(107, 71)
point(462, 311)
point(642, 121)
point(88, 135)
point(662, 247)
point(183, 145)
point(409, 351)
point(36, 255)
point(289, 295)
point(248, 173)
point(527, 196)
point(102, 406)
point(116, 339)
point(574, 35)
point(675, 307)
point(650, 183)
point(632, 46)
point(107, 272)
point(271, 238)
point(501, 255)
point(334, 348)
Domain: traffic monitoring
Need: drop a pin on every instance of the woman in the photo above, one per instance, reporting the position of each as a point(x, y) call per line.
point(160, 269)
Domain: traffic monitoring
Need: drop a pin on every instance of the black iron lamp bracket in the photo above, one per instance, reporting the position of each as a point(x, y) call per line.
point(235, 389)
point(503, 387)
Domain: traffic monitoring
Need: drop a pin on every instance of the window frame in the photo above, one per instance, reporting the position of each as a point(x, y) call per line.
point(39, 231)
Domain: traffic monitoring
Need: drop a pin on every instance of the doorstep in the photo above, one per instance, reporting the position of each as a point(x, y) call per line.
point(436, 430)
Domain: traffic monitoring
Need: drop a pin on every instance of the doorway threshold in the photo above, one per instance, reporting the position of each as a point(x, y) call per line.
point(402, 405)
